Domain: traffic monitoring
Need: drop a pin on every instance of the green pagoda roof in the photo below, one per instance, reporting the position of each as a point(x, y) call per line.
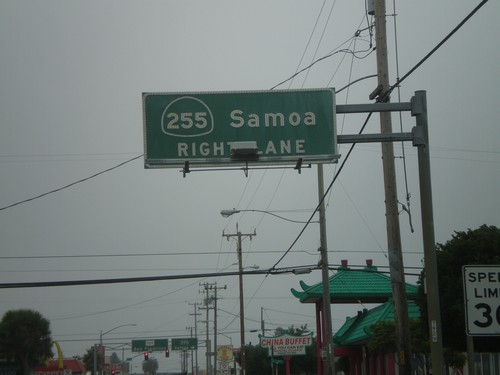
point(358, 329)
point(352, 286)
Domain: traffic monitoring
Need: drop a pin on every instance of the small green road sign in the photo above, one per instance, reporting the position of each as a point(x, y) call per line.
point(214, 128)
point(278, 361)
point(185, 344)
point(151, 345)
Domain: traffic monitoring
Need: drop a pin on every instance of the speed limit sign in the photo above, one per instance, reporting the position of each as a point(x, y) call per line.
point(482, 299)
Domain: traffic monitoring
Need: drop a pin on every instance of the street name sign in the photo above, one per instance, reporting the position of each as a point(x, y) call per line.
point(482, 299)
point(285, 345)
point(190, 343)
point(151, 345)
point(217, 128)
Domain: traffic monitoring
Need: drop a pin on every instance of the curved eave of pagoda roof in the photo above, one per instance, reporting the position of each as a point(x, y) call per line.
point(358, 329)
point(352, 286)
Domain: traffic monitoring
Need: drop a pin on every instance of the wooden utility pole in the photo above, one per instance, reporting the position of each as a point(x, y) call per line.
point(329, 363)
point(239, 237)
point(214, 287)
point(391, 200)
point(208, 345)
point(431, 271)
point(195, 371)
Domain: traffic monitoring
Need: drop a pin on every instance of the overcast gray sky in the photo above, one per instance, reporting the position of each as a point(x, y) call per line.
point(71, 78)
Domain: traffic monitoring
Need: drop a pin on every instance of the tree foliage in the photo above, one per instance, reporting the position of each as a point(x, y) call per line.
point(292, 330)
point(150, 366)
point(454, 359)
point(258, 360)
point(88, 359)
point(384, 337)
point(479, 246)
point(306, 364)
point(25, 338)
point(114, 359)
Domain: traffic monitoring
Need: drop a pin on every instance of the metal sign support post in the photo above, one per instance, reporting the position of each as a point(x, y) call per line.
point(431, 273)
point(329, 363)
point(420, 138)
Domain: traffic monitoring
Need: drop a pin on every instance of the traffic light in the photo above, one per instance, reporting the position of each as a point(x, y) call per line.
point(113, 372)
point(146, 356)
point(167, 353)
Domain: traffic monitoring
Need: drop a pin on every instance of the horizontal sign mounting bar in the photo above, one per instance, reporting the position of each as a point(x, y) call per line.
point(382, 137)
point(376, 107)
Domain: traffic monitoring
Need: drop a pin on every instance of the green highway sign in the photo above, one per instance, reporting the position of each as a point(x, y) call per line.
point(185, 344)
point(151, 345)
point(214, 128)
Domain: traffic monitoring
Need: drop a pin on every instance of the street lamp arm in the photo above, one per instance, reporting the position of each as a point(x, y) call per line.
point(100, 344)
point(227, 213)
point(123, 325)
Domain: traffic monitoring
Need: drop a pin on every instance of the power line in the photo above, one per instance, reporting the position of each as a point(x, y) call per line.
point(323, 197)
point(70, 185)
point(41, 284)
point(424, 59)
point(314, 63)
point(208, 253)
point(320, 40)
point(398, 82)
point(380, 99)
point(308, 42)
point(124, 307)
point(273, 271)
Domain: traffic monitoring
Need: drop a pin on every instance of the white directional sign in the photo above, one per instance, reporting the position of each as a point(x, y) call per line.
point(482, 299)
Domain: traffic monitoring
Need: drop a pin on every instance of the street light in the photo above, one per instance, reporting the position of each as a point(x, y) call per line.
point(254, 267)
point(100, 343)
point(327, 314)
point(227, 213)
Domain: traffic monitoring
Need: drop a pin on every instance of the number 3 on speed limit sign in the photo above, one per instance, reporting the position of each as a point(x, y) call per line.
point(482, 299)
